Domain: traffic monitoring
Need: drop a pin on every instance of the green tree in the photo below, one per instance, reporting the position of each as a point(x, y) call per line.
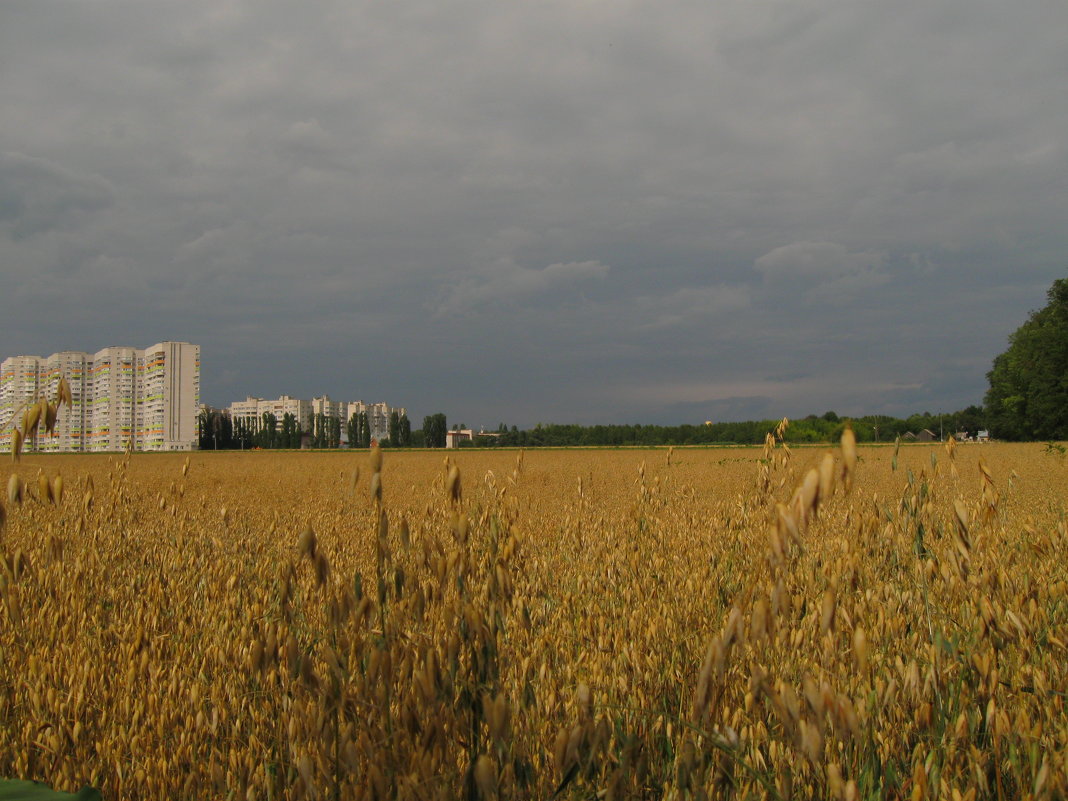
point(289, 438)
point(216, 431)
point(268, 434)
point(435, 428)
point(206, 431)
point(359, 431)
point(1028, 395)
point(405, 431)
point(351, 429)
point(365, 431)
point(394, 428)
point(242, 436)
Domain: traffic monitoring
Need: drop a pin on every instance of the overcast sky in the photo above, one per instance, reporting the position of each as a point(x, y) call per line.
point(601, 211)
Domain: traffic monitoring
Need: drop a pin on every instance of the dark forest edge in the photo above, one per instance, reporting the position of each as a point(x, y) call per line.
point(812, 429)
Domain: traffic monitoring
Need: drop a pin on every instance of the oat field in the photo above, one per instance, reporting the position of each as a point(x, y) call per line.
point(709, 623)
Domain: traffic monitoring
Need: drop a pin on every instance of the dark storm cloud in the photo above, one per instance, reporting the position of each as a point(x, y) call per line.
point(38, 195)
point(551, 211)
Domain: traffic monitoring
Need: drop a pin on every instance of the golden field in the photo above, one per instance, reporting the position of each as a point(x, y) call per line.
point(687, 623)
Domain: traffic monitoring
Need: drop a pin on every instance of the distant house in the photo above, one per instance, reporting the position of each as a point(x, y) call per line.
point(927, 435)
point(908, 436)
point(982, 436)
point(962, 436)
point(455, 437)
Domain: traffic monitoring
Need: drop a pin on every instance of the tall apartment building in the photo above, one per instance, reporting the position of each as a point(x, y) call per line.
point(170, 397)
point(71, 431)
point(121, 397)
point(19, 378)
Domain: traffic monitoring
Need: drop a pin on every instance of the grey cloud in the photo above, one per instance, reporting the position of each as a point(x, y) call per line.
point(816, 260)
point(38, 195)
point(310, 136)
point(505, 281)
point(827, 270)
point(688, 306)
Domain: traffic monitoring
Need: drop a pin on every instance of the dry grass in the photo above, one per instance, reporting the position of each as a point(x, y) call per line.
point(617, 624)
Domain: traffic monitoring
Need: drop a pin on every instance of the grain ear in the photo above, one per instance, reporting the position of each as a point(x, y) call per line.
point(849, 458)
point(51, 412)
point(30, 419)
point(63, 393)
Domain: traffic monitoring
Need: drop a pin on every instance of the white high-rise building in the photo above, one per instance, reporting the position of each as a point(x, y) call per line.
point(122, 397)
point(19, 379)
point(170, 397)
point(113, 409)
point(71, 423)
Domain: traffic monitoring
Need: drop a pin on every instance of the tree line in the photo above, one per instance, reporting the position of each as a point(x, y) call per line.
point(825, 428)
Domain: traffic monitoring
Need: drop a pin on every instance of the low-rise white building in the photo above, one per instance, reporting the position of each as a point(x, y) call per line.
point(251, 410)
point(377, 416)
point(457, 435)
